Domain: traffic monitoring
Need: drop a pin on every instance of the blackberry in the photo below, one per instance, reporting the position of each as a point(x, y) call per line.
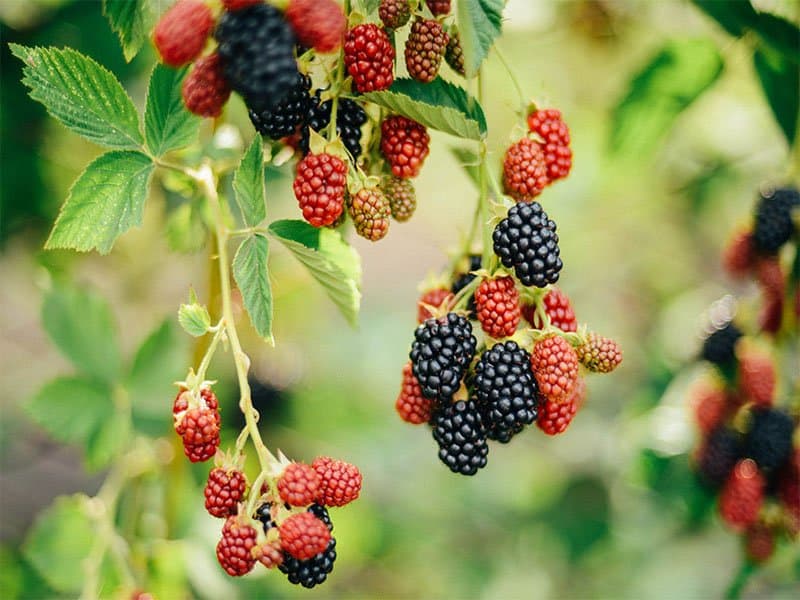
point(719, 348)
point(442, 350)
point(769, 441)
point(321, 513)
point(459, 431)
point(773, 219)
point(527, 241)
point(290, 113)
point(505, 391)
point(464, 279)
point(263, 514)
point(256, 48)
point(349, 119)
point(312, 571)
point(718, 457)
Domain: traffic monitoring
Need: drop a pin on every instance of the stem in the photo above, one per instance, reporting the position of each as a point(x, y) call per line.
point(218, 331)
point(523, 100)
point(741, 578)
point(242, 362)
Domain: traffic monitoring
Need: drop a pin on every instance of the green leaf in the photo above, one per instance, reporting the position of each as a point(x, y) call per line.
point(439, 105)
point(248, 183)
point(106, 200)
point(469, 161)
point(735, 16)
point(81, 94)
point(108, 442)
point(59, 541)
point(167, 123)
point(160, 360)
point(480, 22)
point(185, 229)
point(194, 319)
point(779, 34)
point(82, 326)
point(131, 20)
point(780, 80)
point(328, 258)
point(252, 276)
point(665, 87)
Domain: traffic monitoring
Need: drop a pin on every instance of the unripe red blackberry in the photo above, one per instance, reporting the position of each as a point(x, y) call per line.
point(370, 211)
point(555, 367)
point(441, 353)
point(454, 55)
point(369, 57)
point(759, 542)
point(439, 7)
point(739, 255)
point(401, 195)
point(318, 24)
point(319, 187)
point(340, 482)
point(404, 144)
point(298, 485)
point(235, 549)
point(526, 240)
point(224, 490)
point(555, 417)
point(424, 49)
point(709, 404)
point(394, 13)
point(303, 535)
point(742, 495)
point(197, 421)
point(497, 305)
point(757, 377)
point(204, 89)
point(436, 298)
point(182, 32)
point(269, 554)
point(505, 391)
point(550, 126)
point(525, 170)
point(411, 405)
point(460, 434)
point(599, 354)
point(558, 308)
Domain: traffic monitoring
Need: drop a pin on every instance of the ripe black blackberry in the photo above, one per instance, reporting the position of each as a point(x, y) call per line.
point(719, 348)
point(284, 119)
point(459, 431)
point(442, 350)
point(718, 457)
point(505, 391)
point(527, 241)
point(312, 571)
point(256, 48)
point(773, 219)
point(769, 441)
point(263, 514)
point(350, 117)
point(321, 513)
point(464, 279)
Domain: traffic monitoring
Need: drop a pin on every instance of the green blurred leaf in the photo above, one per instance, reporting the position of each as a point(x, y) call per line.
point(735, 16)
point(72, 409)
point(251, 272)
point(108, 441)
point(248, 183)
point(105, 201)
point(11, 575)
point(131, 20)
point(168, 570)
point(59, 542)
point(469, 161)
point(780, 80)
point(779, 34)
point(82, 326)
point(167, 123)
point(160, 360)
point(439, 105)
point(185, 228)
point(328, 258)
point(81, 94)
point(194, 319)
point(480, 22)
point(665, 87)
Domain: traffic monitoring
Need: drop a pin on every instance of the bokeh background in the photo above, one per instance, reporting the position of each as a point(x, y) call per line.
point(609, 509)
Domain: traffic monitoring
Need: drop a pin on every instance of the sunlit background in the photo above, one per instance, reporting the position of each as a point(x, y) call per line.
point(610, 508)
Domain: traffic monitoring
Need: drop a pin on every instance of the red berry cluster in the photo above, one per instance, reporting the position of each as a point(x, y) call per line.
point(748, 449)
point(197, 421)
point(533, 163)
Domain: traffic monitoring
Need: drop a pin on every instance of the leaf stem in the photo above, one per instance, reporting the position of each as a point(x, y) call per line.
point(218, 333)
point(522, 98)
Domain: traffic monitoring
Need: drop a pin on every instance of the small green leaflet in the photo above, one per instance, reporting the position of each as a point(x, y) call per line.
point(106, 200)
point(674, 78)
point(81, 94)
point(439, 105)
point(167, 123)
point(479, 23)
point(131, 20)
point(194, 319)
point(82, 326)
point(252, 277)
point(780, 80)
point(248, 183)
point(328, 258)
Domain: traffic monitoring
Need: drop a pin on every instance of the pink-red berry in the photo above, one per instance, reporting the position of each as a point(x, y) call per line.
point(757, 377)
point(497, 306)
point(298, 485)
point(525, 170)
point(555, 367)
point(738, 257)
point(742, 495)
point(425, 48)
point(235, 549)
point(340, 482)
point(239, 4)
point(435, 298)
point(198, 422)
point(709, 404)
point(269, 554)
point(369, 57)
point(182, 31)
point(558, 308)
point(318, 24)
point(404, 144)
point(555, 417)
point(319, 187)
point(224, 490)
point(759, 542)
point(303, 535)
point(550, 126)
point(205, 90)
point(370, 211)
point(411, 405)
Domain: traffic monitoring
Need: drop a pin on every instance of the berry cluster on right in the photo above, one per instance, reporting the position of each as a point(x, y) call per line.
point(498, 347)
point(747, 406)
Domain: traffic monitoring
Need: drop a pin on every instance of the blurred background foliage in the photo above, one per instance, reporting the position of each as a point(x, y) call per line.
point(672, 135)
